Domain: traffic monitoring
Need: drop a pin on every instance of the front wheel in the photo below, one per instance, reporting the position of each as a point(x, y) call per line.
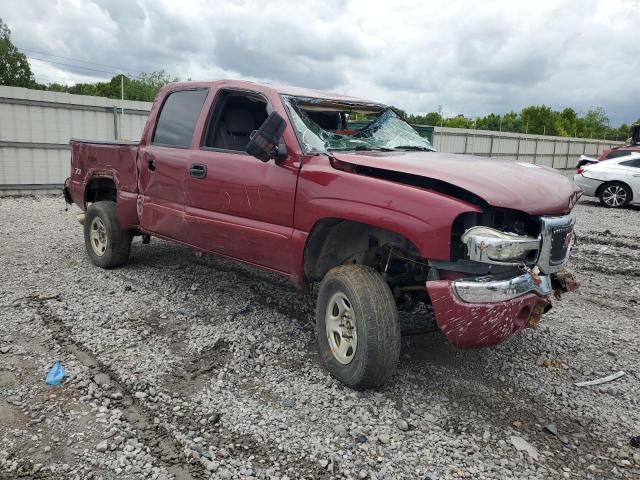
point(615, 195)
point(106, 243)
point(357, 326)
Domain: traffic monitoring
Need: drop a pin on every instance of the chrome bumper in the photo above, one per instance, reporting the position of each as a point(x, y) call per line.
point(492, 289)
point(557, 238)
point(553, 244)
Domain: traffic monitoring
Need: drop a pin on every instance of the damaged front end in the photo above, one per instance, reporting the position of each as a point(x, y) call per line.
point(503, 278)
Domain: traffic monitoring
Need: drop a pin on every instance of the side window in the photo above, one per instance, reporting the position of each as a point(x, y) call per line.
point(236, 116)
point(631, 163)
point(178, 118)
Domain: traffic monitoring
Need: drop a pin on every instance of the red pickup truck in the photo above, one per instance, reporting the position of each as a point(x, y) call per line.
point(276, 177)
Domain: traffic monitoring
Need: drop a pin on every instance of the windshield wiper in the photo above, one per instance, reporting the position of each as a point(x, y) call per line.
point(378, 149)
point(362, 148)
point(413, 147)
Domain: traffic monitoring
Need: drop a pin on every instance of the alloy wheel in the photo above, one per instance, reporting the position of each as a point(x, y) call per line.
point(614, 196)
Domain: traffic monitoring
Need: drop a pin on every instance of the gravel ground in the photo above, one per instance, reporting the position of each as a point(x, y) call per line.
point(190, 368)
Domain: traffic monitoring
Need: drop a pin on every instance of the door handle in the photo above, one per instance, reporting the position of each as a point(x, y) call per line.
point(197, 170)
point(151, 163)
point(636, 174)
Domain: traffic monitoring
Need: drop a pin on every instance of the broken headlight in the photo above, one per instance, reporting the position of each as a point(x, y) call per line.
point(488, 245)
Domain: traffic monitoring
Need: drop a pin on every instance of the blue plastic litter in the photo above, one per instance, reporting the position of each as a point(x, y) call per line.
point(56, 374)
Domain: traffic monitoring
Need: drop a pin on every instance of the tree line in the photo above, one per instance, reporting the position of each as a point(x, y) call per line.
point(537, 119)
point(143, 88)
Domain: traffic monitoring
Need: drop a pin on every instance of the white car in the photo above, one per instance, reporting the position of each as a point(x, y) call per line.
point(616, 182)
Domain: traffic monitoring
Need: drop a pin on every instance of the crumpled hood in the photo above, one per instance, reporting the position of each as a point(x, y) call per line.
point(533, 189)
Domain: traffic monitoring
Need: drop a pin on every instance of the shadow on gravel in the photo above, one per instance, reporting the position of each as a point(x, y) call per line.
point(596, 203)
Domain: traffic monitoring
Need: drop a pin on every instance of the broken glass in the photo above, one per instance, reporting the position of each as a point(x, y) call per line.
point(386, 132)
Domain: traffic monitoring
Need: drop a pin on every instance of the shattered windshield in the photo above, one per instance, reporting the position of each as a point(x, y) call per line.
point(325, 125)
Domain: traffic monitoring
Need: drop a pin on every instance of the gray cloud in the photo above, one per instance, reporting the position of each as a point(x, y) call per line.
point(471, 57)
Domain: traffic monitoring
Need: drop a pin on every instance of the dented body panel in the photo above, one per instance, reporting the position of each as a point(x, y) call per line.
point(115, 161)
point(530, 188)
point(273, 214)
point(477, 325)
point(423, 217)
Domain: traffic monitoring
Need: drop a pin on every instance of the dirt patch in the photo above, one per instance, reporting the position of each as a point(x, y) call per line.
point(198, 370)
point(10, 414)
point(7, 378)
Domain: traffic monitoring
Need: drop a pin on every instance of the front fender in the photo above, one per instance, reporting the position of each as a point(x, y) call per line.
point(425, 217)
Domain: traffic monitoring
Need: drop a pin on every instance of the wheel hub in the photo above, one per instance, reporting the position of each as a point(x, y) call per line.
point(98, 236)
point(340, 322)
point(614, 196)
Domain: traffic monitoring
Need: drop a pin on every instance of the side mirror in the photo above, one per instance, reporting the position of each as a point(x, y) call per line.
point(266, 142)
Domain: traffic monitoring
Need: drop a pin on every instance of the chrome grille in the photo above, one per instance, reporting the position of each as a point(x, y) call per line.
point(556, 234)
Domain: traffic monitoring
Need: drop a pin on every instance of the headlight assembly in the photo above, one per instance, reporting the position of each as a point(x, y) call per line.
point(488, 245)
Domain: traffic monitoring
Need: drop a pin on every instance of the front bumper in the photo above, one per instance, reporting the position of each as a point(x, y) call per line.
point(494, 288)
point(485, 311)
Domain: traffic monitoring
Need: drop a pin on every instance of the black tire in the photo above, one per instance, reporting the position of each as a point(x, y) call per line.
point(619, 189)
point(376, 324)
point(117, 242)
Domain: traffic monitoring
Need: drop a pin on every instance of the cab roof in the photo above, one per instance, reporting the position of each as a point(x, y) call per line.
point(274, 88)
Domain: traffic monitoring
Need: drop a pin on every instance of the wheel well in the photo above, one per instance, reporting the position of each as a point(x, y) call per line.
point(101, 188)
point(334, 242)
point(600, 187)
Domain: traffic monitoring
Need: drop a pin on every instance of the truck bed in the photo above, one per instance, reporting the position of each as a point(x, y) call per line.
point(95, 159)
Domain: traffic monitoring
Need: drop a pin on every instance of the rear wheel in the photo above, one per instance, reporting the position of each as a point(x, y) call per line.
point(615, 195)
point(357, 326)
point(106, 243)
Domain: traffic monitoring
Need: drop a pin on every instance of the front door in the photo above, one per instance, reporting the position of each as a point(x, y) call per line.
point(162, 165)
point(237, 205)
point(633, 177)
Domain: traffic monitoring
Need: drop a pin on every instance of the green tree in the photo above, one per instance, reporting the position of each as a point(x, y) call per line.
point(623, 132)
point(142, 88)
point(536, 119)
point(432, 118)
point(568, 123)
point(459, 121)
point(539, 120)
point(15, 70)
point(595, 123)
point(490, 122)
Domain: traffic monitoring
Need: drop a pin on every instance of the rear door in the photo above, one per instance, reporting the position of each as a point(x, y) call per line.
point(163, 164)
point(633, 176)
point(236, 204)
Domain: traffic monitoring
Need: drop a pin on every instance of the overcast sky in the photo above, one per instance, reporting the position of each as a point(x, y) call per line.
point(473, 57)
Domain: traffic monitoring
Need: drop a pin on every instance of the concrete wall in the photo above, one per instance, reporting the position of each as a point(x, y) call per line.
point(557, 152)
point(36, 126)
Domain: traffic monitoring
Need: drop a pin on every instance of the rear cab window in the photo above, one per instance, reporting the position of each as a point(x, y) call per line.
point(178, 118)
